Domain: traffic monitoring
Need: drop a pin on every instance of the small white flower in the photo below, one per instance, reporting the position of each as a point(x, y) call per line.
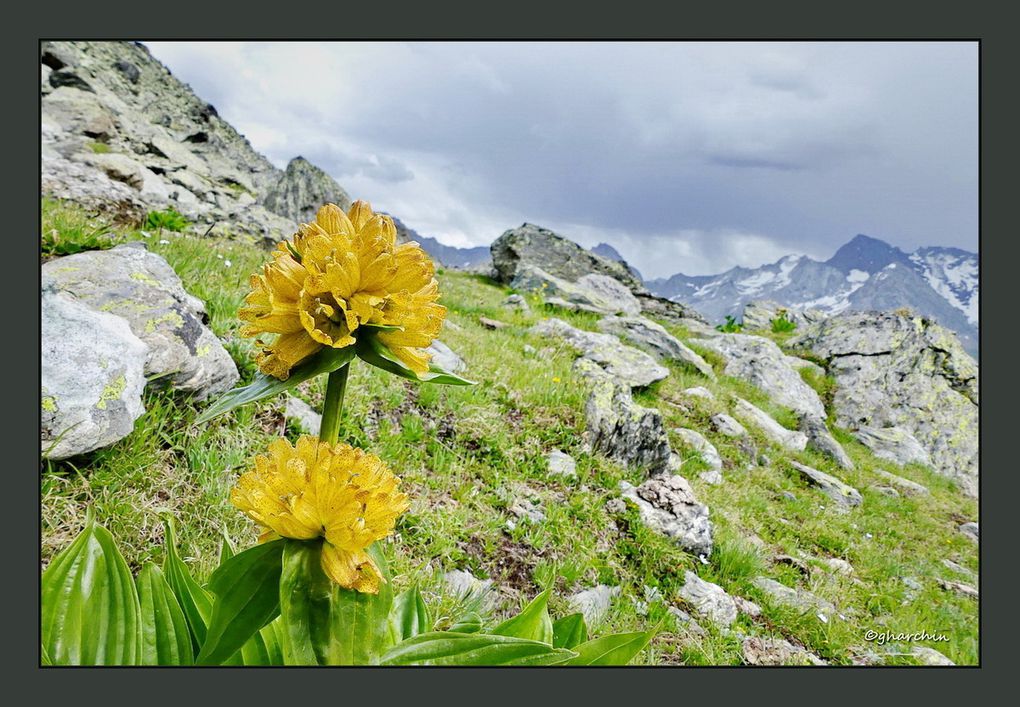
point(164, 241)
point(145, 234)
point(823, 618)
point(227, 263)
point(702, 559)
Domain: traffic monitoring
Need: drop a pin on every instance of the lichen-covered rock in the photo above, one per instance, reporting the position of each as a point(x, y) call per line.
point(621, 429)
point(799, 599)
point(758, 314)
point(843, 494)
point(594, 292)
point(893, 443)
point(792, 440)
point(624, 363)
point(705, 449)
point(141, 288)
point(653, 338)
point(593, 603)
point(776, 651)
point(667, 504)
point(301, 190)
point(821, 440)
point(517, 302)
point(760, 362)
point(445, 357)
point(726, 425)
point(92, 377)
point(894, 370)
point(911, 488)
point(708, 600)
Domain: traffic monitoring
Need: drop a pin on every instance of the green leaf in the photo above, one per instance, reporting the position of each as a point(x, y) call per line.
point(372, 350)
point(271, 638)
point(195, 602)
point(570, 631)
point(448, 648)
point(361, 625)
point(532, 623)
point(90, 610)
point(326, 360)
point(166, 639)
point(471, 622)
point(305, 606)
point(614, 649)
point(247, 589)
point(409, 615)
point(226, 548)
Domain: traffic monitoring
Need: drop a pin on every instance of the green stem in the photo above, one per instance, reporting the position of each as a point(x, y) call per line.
point(332, 406)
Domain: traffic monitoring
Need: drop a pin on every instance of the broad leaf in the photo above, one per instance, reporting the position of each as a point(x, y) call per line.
point(532, 623)
point(372, 350)
point(247, 589)
point(448, 648)
point(409, 615)
point(226, 548)
point(166, 639)
point(615, 649)
point(90, 610)
point(195, 602)
point(326, 360)
point(305, 606)
point(361, 625)
point(471, 622)
point(570, 631)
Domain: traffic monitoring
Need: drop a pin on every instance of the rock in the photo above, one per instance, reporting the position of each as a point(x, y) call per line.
point(444, 357)
point(462, 583)
point(959, 569)
point(301, 190)
point(726, 425)
point(747, 607)
point(699, 392)
point(797, 563)
point(594, 603)
point(675, 313)
point(533, 245)
point(667, 505)
point(141, 288)
point(653, 338)
point(129, 70)
point(526, 510)
point(92, 377)
point(894, 444)
point(758, 314)
point(709, 600)
point(776, 651)
point(800, 599)
point(844, 495)
point(705, 449)
point(794, 441)
point(624, 363)
point(760, 362)
point(561, 464)
point(686, 621)
point(821, 440)
point(970, 530)
point(799, 364)
point(886, 491)
point(299, 411)
point(894, 370)
point(591, 293)
point(789, 496)
point(911, 488)
point(492, 324)
point(621, 429)
point(151, 188)
point(517, 302)
point(837, 565)
point(912, 583)
point(959, 588)
point(929, 656)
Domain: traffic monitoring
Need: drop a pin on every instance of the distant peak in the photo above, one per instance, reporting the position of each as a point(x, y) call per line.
point(867, 254)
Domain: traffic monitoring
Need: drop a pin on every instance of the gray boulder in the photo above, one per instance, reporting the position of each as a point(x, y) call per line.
point(894, 444)
point(799, 599)
point(299, 411)
point(653, 338)
point(667, 504)
point(708, 600)
point(971, 530)
point(444, 357)
point(844, 495)
point(561, 464)
point(700, 392)
point(517, 302)
point(776, 651)
point(726, 425)
point(593, 603)
point(821, 440)
point(902, 371)
point(624, 363)
point(794, 441)
point(705, 449)
point(594, 292)
point(760, 362)
point(758, 314)
point(301, 190)
point(911, 488)
point(92, 377)
point(141, 288)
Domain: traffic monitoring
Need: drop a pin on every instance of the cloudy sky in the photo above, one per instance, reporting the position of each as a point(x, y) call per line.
point(687, 157)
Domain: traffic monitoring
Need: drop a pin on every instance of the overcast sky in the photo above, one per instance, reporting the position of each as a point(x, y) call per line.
point(687, 157)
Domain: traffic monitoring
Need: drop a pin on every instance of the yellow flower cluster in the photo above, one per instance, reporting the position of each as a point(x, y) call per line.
point(338, 274)
point(316, 490)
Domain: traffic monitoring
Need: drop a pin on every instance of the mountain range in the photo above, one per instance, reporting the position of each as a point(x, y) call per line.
point(864, 274)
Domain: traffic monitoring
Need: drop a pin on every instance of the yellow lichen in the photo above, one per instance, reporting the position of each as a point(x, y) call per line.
point(111, 391)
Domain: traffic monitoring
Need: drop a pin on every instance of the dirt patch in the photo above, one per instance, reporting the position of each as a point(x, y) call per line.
point(511, 565)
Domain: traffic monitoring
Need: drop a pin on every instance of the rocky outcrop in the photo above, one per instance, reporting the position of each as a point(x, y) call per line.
point(911, 488)
point(821, 440)
point(560, 463)
point(593, 603)
point(794, 441)
point(92, 377)
point(121, 134)
point(726, 425)
point(776, 651)
point(894, 444)
point(708, 600)
point(799, 599)
point(445, 357)
point(894, 370)
point(653, 338)
point(667, 505)
point(142, 289)
point(705, 450)
point(844, 495)
point(593, 292)
point(760, 362)
point(301, 190)
point(758, 314)
point(624, 363)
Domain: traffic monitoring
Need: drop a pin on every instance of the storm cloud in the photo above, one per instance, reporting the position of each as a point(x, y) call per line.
point(687, 157)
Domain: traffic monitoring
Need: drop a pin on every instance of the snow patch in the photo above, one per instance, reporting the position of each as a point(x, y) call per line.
point(858, 276)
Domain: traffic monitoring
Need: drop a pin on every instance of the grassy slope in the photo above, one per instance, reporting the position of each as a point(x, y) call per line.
point(466, 453)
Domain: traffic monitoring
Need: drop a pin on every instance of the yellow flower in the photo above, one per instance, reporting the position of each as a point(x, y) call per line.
point(338, 273)
point(336, 492)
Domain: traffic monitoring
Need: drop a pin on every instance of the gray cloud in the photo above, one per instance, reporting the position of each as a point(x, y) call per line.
point(687, 157)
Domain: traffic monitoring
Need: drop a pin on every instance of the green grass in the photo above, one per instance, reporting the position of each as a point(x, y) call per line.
point(100, 148)
point(167, 219)
point(465, 454)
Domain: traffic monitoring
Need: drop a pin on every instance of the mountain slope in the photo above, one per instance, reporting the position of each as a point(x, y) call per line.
point(450, 256)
